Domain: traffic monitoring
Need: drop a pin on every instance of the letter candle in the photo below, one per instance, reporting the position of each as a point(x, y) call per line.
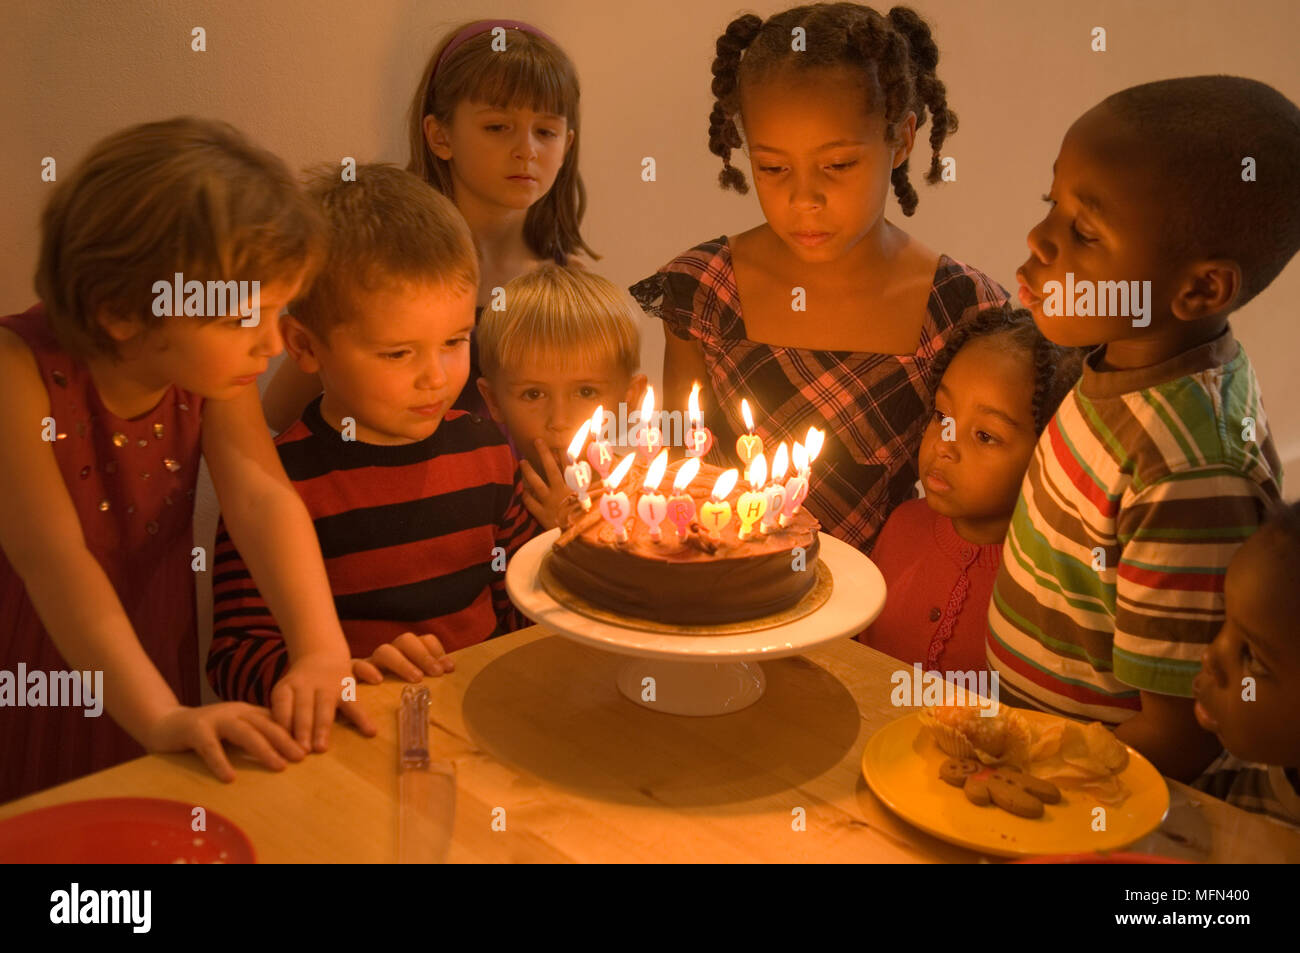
point(748, 445)
point(599, 454)
point(775, 492)
point(699, 438)
point(797, 488)
point(649, 438)
point(753, 503)
point(716, 513)
point(613, 504)
point(681, 505)
point(652, 507)
point(577, 475)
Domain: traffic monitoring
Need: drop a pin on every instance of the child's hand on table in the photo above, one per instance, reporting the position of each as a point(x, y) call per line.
point(408, 656)
point(544, 496)
point(306, 696)
point(203, 729)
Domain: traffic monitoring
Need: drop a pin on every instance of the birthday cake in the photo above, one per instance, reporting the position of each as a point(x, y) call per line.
point(704, 575)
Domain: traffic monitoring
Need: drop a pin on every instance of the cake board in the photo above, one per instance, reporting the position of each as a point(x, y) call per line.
point(704, 674)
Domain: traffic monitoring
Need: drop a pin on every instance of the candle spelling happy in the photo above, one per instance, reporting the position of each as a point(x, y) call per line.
point(649, 438)
point(716, 513)
point(752, 504)
point(614, 506)
point(681, 505)
point(577, 475)
point(749, 444)
point(599, 454)
point(699, 438)
point(652, 507)
point(775, 492)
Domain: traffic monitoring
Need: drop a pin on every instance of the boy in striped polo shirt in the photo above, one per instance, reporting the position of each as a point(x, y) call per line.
point(417, 506)
point(1159, 464)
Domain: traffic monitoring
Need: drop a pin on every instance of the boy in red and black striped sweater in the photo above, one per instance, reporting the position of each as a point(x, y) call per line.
point(417, 507)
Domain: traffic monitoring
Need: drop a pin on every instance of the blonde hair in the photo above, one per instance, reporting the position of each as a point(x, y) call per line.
point(182, 195)
point(533, 72)
point(562, 314)
point(386, 228)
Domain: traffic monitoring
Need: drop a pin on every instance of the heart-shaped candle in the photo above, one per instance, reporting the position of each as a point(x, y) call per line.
point(577, 475)
point(716, 513)
point(614, 506)
point(748, 445)
point(652, 507)
point(698, 438)
point(752, 503)
point(681, 505)
point(599, 454)
point(775, 491)
point(649, 438)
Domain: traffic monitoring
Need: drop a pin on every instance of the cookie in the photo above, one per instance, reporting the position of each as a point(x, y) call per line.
point(1013, 791)
point(955, 771)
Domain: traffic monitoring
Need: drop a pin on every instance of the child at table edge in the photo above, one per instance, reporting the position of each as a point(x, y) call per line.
point(1248, 691)
point(1160, 462)
point(417, 506)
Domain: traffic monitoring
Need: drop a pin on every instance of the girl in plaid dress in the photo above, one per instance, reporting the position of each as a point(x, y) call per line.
point(843, 313)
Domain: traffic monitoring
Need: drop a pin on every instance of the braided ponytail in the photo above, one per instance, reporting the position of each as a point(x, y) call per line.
point(931, 90)
point(723, 134)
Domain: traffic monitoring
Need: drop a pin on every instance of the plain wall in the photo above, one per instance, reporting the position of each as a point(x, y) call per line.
point(316, 80)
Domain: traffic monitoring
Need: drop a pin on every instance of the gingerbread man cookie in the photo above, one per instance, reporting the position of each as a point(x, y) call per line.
point(1014, 791)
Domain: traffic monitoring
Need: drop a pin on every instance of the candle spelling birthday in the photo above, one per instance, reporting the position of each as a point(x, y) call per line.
point(681, 505)
point(698, 438)
point(652, 508)
point(775, 491)
point(797, 488)
point(716, 512)
point(752, 503)
point(614, 506)
point(577, 475)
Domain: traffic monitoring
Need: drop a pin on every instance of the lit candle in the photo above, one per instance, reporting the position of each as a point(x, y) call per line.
point(775, 492)
point(599, 454)
point(649, 438)
point(652, 507)
point(749, 444)
point(797, 488)
point(577, 475)
point(681, 505)
point(613, 504)
point(699, 438)
point(716, 513)
point(753, 503)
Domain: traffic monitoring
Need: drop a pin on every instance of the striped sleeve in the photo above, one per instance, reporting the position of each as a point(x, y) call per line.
point(515, 527)
point(248, 653)
point(1176, 538)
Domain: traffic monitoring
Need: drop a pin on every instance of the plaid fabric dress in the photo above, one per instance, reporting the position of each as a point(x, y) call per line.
point(873, 407)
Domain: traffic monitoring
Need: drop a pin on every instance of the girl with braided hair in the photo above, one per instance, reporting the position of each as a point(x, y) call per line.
point(1000, 381)
point(826, 314)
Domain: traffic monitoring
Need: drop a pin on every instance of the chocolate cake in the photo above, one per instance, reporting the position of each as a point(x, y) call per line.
point(690, 580)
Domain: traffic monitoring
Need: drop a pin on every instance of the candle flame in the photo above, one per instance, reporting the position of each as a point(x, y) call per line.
point(780, 462)
point(814, 443)
point(757, 473)
point(693, 405)
point(800, 456)
point(726, 483)
point(648, 406)
point(749, 418)
point(575, 446)
point(620, 471)
point(597, 421)
point(688, 472)
point(656, 472)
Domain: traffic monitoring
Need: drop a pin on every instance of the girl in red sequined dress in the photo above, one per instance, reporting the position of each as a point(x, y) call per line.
point(108, 402)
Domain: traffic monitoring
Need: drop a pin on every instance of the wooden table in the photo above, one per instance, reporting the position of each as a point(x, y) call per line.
point(535, 725)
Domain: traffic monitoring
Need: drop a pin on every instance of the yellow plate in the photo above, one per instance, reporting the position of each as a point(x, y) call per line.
point(901, 764)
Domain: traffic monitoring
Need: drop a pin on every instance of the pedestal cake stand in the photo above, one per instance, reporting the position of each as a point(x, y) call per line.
point(705, 670)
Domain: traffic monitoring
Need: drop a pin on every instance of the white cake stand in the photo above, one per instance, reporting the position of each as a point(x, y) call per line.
point(704, 674)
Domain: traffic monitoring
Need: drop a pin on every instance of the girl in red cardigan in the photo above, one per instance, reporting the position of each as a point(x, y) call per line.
point(1000, 381)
